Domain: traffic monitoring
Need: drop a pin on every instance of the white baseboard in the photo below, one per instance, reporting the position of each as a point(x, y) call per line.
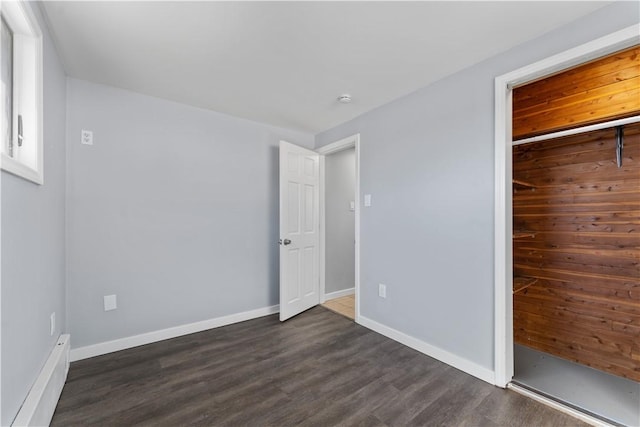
point(444, 356)
point(150, 337)
point(41, 402)
point(339, 294)
point(164, 334)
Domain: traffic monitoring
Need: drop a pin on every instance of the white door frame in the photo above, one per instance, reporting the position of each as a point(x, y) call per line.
point(503, 221)
point(352, 141)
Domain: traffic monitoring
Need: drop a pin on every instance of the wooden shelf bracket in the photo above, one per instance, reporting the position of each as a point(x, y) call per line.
point(523, 234)
point(523, 184)
point(520, 283)
point(619, 144)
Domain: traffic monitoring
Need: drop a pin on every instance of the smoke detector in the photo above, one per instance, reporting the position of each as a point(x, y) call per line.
point(345, 98)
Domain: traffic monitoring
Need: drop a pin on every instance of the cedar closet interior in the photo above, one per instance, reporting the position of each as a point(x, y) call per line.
point(576, 215)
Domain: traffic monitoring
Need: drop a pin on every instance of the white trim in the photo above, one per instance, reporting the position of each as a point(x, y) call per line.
point(559, 406)
point(503, 270)
point(586, 52)
point(322, 265)
point(21, 170)
point(358, 212)
point(1, 298)
point(444, 356)
point(40, 404)
point(334, 147)
point(343, 144)
point(164, 334)
point(503, 230)
point(575, 131)
point(339, 294)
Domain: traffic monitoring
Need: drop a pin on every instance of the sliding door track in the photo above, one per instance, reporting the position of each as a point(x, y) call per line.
point(566, 407)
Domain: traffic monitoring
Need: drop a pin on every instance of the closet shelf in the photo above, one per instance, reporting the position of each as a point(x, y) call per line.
point(517, 183)
point(521, 234)
point(521, 283)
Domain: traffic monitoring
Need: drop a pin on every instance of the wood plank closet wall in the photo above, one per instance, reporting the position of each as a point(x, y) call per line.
point(599, 91)
point(577, 249)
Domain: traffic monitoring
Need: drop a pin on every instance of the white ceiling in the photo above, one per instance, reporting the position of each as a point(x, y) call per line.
point(285, 63)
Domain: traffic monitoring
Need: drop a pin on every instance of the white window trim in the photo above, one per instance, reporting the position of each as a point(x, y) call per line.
point(27, 37)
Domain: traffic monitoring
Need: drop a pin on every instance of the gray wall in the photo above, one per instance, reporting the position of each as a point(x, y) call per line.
point(33, 255)
point(174, 209)
point(428, 161)
point(340, 185)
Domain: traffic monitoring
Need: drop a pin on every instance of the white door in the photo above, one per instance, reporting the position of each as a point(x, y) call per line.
point(299, 235)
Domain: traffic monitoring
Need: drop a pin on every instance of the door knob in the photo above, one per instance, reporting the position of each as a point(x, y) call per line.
point(286, 242)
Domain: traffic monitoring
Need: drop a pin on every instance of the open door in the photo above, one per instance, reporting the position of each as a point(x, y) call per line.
point(299, 229)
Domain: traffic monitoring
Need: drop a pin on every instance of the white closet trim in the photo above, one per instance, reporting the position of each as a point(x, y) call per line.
point(503, 227)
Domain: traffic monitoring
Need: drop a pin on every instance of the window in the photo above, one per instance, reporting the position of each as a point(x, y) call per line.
point(21, 72)
point(6, 38)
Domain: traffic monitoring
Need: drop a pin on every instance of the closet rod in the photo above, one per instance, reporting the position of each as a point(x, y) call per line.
point(574, 131)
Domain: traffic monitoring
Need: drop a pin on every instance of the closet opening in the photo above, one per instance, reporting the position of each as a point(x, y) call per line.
point(576, 269)
point(575, 247)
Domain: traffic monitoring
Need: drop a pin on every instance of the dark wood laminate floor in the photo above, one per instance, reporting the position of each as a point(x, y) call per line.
point(317, 369)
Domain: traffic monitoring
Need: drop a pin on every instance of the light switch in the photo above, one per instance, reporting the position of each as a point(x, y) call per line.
point(367, 200)
point(352, 206)
point(110, 302)
point(382, 290)
point(52, 323)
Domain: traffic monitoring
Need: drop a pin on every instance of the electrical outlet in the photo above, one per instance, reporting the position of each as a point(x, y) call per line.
point(110, 302)
point(86, 137)
point(382, 290)
point(367, 200)
point(52, 323)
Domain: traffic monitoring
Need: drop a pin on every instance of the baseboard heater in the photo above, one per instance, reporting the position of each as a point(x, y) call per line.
point(40, 404)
